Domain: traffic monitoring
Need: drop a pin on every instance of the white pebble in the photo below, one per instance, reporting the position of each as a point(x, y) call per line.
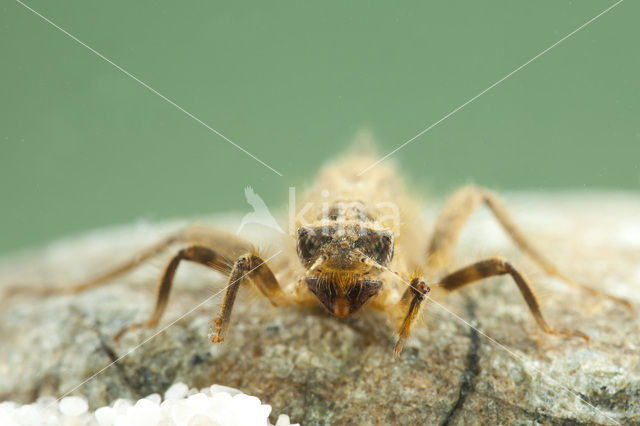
point(198, 402)
point(47, 400)
point(176, 391)
point(213, 406)
point(206, 391)
point(155, 398)
point(263, 411)
point(73, 406)
point(27, 413)
point(145, 405)
point(181, 413)
point(247, 400)
point(201, 420)
point(105, 416)
point(121, 404)
point(283, 420)
point(218, 388)
point(144, 412)
point(5, 416)
point(220, 401)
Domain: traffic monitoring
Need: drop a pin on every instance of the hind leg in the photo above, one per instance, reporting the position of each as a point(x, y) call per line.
point(496, 266)
point(456, 212)
point(228, 244)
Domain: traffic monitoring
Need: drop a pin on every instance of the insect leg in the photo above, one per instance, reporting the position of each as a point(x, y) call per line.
point(455, 213)
point(411, 299)
point(194, 234)
point(250, 267)
point(199, 254)
point(100, 279)
point(496, 266)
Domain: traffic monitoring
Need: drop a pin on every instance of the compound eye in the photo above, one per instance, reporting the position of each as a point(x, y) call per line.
point(384, 249)
point(378, 245)
point(309, 242)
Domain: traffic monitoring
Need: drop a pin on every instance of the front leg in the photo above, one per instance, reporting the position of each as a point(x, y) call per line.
point(249, 266)
point(258, 272)
point(412, 301)
point(199, 254)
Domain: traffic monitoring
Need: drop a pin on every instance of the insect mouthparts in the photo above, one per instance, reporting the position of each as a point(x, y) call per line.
point(343, 300)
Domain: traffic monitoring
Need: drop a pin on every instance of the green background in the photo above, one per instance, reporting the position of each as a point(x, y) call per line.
point(84, 146)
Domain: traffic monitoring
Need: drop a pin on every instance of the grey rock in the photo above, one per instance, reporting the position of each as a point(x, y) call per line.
point(325, 370)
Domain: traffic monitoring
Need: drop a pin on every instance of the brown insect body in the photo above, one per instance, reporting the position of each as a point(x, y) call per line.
point(358, 240)
point(352, 234)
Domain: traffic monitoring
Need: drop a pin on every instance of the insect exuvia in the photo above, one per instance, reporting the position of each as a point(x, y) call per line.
point(359, 242)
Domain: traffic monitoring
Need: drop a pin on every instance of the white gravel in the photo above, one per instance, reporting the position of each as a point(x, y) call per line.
point(215, 405)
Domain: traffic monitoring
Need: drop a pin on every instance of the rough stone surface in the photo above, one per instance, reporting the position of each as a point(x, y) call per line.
point(325, 370)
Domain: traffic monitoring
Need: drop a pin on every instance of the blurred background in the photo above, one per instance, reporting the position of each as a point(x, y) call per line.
point(85, 146)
